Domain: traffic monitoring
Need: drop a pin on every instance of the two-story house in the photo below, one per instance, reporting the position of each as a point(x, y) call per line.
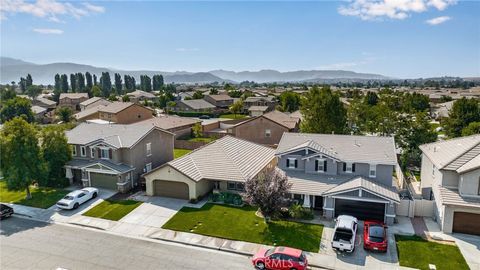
point(450, 175)
point(341, 174)
point(114, 156)
point(72, 100)
point(268, 102)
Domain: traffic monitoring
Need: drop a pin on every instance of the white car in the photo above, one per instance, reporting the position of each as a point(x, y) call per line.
point(345, 233)
point(75, 198)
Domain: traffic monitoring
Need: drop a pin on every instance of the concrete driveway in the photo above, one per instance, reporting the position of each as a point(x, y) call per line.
point(154, 212)
point(469, 245)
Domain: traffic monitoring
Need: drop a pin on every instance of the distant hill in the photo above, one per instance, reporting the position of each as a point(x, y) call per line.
point(12, 69)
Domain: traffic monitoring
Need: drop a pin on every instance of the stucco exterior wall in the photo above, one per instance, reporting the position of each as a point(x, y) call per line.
point(168, 173)
point(132, 114)
point(449, 214)
point(469, 183)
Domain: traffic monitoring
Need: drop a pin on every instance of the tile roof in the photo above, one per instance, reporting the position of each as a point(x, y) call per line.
point(453, 154)
point(227, 159)
point(88, 112)
point(73, 95)
point(376, 188)
point(140, 93)
point(282, 119)
point(90, 101)
point(82, 163)
point(220, 97)
point(198, 104)
point(168, 122)
point(258, 108)
point(313, 184)
point(38, 109)
point(347, 148)
point(451, 196)
point(118, 106)
point(255, 99)
point(46, 101)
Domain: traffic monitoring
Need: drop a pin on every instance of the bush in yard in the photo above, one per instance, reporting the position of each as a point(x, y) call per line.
point(268, 190)
point(297, 211)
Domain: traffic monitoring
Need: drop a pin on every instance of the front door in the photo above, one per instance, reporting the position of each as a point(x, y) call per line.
point(318, 203)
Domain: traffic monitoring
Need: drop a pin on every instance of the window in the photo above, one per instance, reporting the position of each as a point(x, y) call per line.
point(83, 151)
point(348, 167)
point(231, 185)
point(81, 195)
point(240, 186)
point(105, 153)
point(92, 152)
point(148, 167)
point(74, 150)
point(373, 170)
point(292, 163)
point(149, 149)
point(127, 177)
point(321, 165)
point(268, 133)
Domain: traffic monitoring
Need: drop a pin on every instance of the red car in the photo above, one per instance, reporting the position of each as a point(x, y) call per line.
point(375, 236)
point(280, 258)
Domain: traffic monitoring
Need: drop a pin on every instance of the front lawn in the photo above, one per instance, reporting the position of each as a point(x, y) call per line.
point(180, 152)
point(233, 116)
point(113, 209)
point(415, 252)
point(41, 197)
point(242, 224)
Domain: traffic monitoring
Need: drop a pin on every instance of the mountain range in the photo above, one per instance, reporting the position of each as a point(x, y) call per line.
point(12, 69)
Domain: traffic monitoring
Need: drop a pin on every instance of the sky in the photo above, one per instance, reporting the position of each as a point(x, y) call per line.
point(397, 38)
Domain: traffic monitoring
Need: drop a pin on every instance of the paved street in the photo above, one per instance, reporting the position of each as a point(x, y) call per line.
point(27, 244)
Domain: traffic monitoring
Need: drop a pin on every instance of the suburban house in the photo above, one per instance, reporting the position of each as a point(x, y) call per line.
point(180, 126)
point(341, 174)
point(268, 102)
point(72, 100)
point(441, 110)
point(450, 175)
point(40, 114)
point(254, 111)
point(224, 165)
point(140, 96)
point(114, 156)
point(93, 102)
point(89, 113)
point(222, 101)
point(124, 112)
point(44, 103)
point(194, 105)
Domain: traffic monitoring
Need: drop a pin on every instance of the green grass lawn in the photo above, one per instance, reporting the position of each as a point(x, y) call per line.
point(180, 152)
point(233, 116)
point(242, 224)
point(207, 140)
point(41, 197)
point(415, 252)
point(112, 209)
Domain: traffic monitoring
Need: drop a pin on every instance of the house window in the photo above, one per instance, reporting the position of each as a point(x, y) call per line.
point(348, 167)
point(231, 185)
point(149, 149)
point(127, 177)
point(105, 153)
point(373, 171)
point(74, 150)
point(83, 151)
point(292, 163)
point(240, 186)
point(148, 167)
point(268, 133)
point(92, 152)
point(321, 165)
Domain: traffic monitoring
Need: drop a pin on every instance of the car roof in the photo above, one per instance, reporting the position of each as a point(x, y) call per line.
point(73, 193)
point(289, 251)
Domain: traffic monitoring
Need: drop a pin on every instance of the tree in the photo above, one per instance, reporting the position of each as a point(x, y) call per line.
point(118, 84)
point(472, 129)
point(268, 190)
point(21, 159)
point(33, 91)
point(157, 82)
point(105, 84)
point(323, 112)
point(96, 91)
point(213, 91)
point(64, 83)
point(113, 97)
point(197, 130)
point(197, 95)
point(7, 93)
point(464, 111)
point(65, 114)
point(125, 98)
point(145, 83)
point(289, 101)
point(73, 83)
point(56, 152)
point(236, 107)
point(371, 98)
point(95, 79)
point(28, 81)
point(89, 81)
point(168, 105)
point(80, 80)
point(22, 84)
point(17, 107)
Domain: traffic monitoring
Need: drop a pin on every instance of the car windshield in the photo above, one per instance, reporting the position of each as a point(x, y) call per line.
point(68, 197)
point(376, 233)
point(269, 252)
point(342, 234)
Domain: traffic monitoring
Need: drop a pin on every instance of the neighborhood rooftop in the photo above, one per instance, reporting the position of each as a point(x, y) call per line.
point(347, 148)
point(198, 104)
point(169, 121)
point(282, 119)
point(116, 107)
point(220, 97)
point(90, 101)
point(73, 95)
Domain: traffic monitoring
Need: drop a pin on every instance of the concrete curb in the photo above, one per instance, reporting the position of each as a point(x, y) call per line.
point(83, 225)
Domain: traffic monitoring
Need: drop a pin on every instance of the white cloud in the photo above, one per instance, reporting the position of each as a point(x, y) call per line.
point(49, 9)
point(393, 9)
point(187, 49)
point(48, 31)
point(438, 20)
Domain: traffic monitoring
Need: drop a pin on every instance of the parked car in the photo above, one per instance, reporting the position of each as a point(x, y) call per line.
point(375, 236)
point(345, 233)
point(280, 258)
point(204, 116)
point(5, 211)
point(75, 198)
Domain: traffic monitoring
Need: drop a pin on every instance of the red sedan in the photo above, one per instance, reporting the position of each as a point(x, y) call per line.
point(375, 236)
point(280, 258)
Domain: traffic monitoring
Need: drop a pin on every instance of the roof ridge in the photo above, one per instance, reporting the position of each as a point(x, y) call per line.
point(232, 159)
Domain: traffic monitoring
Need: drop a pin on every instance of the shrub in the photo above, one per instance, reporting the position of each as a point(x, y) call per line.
point(297, 211)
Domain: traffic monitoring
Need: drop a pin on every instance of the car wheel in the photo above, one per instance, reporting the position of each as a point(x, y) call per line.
point(293, 268)
point(260, 265)
point(75, 206)
point(94, 195)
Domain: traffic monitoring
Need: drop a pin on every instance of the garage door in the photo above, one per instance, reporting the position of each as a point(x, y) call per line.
point(466, 223)
point(101, 180)
point(360, 210)
point(170, 189)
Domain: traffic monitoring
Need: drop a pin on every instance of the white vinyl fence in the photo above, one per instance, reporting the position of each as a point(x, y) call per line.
point(415, 208)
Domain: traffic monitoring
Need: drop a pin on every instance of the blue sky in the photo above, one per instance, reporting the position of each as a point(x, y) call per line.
point(200, 36)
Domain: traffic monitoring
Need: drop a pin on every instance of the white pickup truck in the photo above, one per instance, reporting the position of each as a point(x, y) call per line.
point(345, 233)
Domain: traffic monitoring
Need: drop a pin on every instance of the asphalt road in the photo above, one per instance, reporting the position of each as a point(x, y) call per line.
point(28, 244)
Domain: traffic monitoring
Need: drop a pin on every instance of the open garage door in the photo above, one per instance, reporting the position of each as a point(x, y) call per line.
point(468, 223)
point(170, 189)
point(360, 209)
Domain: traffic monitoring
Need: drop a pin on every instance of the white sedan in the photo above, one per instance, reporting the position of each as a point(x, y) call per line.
point(73, 199)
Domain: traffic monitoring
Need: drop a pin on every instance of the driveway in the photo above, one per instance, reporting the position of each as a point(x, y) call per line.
point(154, 212)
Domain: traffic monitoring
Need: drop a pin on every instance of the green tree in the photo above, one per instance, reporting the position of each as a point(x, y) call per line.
point(28, 81)
point(89, 81)
point(472, 129)
point(64, 83)
point(323, 112)
point(96, 91)
point(118, 84)
point(157, 82)
point(16, 107)
point(197, 130)
point(22, 163)
point(213, 91)
point(56, 152)
point(236, 107)
point(22, 84)
point(80, 81)
point(289, 101)
point(464, 111)
point(197, 95)
point(7, 93)
point(125, 98)
point(371, 98)
point(65, 114)
point(145, 83)
point(33, 91)
point(113, 97)
point(106, 84)
point(73, 82)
